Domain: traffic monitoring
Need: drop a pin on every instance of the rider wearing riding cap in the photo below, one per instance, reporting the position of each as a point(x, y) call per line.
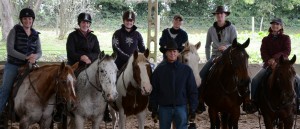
point(127, 39)
point(273, 46)
point(23, 46)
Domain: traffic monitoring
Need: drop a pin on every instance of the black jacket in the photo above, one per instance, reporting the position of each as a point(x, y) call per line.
point(173, 85)
point(78, 45)
point(124, 43)
point(180, 39)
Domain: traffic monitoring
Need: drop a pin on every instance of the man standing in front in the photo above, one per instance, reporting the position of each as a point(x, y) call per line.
point(174, 87)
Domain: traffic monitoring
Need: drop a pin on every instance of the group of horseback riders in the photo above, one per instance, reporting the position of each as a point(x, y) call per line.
point(23, 46)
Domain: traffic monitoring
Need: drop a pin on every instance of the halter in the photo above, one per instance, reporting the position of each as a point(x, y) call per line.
point(57, 81)
point(235, 77)
point(100, 89)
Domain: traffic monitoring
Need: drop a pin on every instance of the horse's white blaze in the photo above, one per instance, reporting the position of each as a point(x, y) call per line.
point(146, 86)
point(71, 81)
point(193, 59)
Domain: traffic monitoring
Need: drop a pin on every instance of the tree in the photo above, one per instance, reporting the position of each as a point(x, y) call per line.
point(6, 19)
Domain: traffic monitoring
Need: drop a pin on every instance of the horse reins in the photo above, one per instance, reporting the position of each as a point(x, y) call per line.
point(100, 89)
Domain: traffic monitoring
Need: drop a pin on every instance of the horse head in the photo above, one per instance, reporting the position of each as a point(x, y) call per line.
point(65, 82)
point(190, 57)
point(236, 58)
point(282, 80)
point(142, 71)
point(107, 74)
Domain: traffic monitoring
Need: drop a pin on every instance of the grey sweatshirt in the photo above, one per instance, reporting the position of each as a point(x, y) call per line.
point(228, 34)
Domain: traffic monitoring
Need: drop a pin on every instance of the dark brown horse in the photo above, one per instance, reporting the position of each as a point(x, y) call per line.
point(226, 85)
point(276, 96)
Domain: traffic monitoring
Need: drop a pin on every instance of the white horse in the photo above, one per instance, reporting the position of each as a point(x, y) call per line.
point(190, 57)
point(35, 100)
point(133, 86)
point(95, 87)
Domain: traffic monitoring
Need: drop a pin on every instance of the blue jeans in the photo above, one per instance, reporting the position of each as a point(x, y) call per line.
point(205, 70)
point(9, 76)
point(297, 79)
point(256, 81)
point(178, 114)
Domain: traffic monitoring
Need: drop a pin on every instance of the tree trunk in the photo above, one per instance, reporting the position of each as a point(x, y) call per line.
point(34, 4)
point(64, 18)
point(6, 18)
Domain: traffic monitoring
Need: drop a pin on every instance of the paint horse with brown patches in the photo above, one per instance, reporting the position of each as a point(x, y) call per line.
point(134, 86)
point(36, 97)
point(96, 85)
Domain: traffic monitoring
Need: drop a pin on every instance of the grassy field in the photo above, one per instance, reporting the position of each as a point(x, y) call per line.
point(55, 50)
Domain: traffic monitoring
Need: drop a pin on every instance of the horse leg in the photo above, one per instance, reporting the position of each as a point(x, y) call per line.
point(288, 123)
point(268, 122)
point(122, 119)
point(225, 118)
point(24, 123)
point(141, 119)
point(96, 122)
point(114, 116)
point(213, 116)
point(79, 122)
point(45, 123)
point(234, 118)
point(71, 124)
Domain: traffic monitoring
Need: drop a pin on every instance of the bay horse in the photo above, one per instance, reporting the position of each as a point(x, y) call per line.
point(36, 98)
point(190, 57)
point(226, 85)
point(96, 85)
point(133, 86)
point(276, 95)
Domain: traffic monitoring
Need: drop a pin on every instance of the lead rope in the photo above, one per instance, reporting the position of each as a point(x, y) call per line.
point(295, 125)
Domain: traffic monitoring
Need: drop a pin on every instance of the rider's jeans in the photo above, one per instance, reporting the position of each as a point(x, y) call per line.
point(205, 70)
point(10, 73)
point(256, 81)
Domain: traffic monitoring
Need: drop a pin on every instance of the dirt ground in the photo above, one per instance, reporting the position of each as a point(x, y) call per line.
point(250, 121)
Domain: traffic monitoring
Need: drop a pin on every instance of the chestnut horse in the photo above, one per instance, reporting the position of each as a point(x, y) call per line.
point(276, 95)
point(226, 85)
point(133, 86)
point(36, 97)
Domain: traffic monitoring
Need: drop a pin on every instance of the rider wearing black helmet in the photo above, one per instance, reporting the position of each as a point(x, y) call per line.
point(127, 39)
point(23, 46)
point(82, 44)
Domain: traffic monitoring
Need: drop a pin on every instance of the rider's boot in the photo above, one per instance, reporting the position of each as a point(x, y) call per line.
point(201, 106)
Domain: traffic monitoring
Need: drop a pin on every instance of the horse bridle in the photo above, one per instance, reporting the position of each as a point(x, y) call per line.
point(235, 77)
point(100, 89)
point(57, 81)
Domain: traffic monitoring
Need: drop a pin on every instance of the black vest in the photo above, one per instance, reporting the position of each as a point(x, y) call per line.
point(24, 44)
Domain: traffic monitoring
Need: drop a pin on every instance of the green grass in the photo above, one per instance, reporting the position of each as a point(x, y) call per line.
point(55, 50)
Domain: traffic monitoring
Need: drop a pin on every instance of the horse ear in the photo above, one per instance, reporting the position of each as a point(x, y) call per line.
point(293, 60)
point(198, 45)
point(146, 53)
point(135, 54)
point(62, 66)
point(114, 55)
point(75, 66)
point(101, 55)
point(246, 44)
point(186, 44)
point(234, 43)
point(281, 59)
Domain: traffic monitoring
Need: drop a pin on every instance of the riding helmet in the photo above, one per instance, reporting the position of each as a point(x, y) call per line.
point(26, 12)
point(129, 15)
point(84, 17)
